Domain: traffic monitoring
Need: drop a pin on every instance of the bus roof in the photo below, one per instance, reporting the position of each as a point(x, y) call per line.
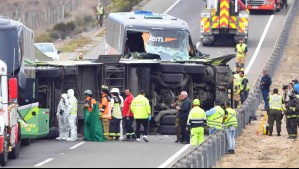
point(144, 19)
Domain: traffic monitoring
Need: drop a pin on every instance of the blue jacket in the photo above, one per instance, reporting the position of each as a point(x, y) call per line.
point(296, 86)
point(268, 81)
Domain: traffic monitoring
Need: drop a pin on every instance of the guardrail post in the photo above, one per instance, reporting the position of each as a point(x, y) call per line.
point(210, 156)
point(189, 161)
point(200, 159)
point(205, 147)
point(184, 163)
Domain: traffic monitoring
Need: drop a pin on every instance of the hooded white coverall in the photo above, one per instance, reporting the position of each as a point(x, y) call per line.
point(62, 114)
point(72, 118)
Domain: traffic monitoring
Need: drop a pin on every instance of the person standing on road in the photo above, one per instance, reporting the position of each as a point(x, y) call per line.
point(62, 114)
point(105, 110)
point(178, 103)
point(292, 113)
point(93, 129)
point(284, 3)
point(100, 15)
point(265, 88)
point(275, 112)
point(73, 111)
point(237, 92)
point(128, 116)
point(244, 87)
point(215, 118)
point(241, 50)
point(196, 122)
point(231, 125)
point(116, 102)
point(184, 111)
point(141, 109)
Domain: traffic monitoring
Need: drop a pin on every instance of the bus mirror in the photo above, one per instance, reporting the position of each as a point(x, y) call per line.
point(13, 88)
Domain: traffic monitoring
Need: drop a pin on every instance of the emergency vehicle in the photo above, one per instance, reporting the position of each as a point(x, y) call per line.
point(264, 5)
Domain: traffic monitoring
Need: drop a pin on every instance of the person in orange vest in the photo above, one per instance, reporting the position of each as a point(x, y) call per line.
point(105, 110)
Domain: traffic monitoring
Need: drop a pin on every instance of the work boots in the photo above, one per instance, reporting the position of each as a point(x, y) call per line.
point(270, 134)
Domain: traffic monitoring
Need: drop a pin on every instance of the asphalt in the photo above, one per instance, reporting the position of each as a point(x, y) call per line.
point(160, 148)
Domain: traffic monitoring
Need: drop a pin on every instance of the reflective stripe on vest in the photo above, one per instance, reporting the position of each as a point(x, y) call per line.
point(216, 119)
point(276, 102)
point(231, 119)
point(241, 50)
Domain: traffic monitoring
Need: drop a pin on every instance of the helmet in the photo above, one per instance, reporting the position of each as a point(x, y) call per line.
point(115, 90)
point(88, 93)
point(104, 88)
point(196, 102)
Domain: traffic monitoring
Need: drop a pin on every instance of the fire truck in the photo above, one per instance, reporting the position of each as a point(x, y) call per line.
point(264, 5)
point(224, 19)
point(21, 119)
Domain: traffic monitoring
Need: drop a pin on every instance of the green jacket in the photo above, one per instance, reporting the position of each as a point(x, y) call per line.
point(141, 108)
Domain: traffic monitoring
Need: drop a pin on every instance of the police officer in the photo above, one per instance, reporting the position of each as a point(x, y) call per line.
point(196, 122)
point(275, 112)
point(291, 114)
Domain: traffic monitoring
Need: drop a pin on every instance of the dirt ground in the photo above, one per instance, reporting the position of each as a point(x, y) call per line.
point(270, 152)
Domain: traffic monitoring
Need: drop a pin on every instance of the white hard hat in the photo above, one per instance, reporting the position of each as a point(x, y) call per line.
point(115, 90)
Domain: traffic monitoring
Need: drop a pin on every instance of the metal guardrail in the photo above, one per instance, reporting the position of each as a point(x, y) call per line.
point(210, 152)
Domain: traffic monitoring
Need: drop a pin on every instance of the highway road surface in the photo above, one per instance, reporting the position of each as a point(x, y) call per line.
point(264, 30)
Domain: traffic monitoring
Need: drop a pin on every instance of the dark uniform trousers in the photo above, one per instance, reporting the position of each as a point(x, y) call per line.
point(275, 116)
point(292, 127)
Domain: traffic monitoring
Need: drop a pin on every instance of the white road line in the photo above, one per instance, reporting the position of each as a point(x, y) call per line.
point(77, 145)
point(259, 45)
point(172, 6)
point(44, 162)
point(176, 155)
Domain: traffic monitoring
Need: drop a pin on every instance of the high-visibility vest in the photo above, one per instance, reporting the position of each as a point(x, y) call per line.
point(238, 77)
point(100, 10)
point(237, 89)
point(116, 109)
point(74, 109)
point(276, 102)
point(197, 117)
point(215, 121)
point(241, 50)
point(140, 107)
point(242, 84)
point(231, 119)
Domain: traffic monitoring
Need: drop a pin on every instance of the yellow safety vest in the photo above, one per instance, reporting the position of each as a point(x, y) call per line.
point(100, 10)
point(140, 107)
point(242, 85)
point(116, 110)
point(216, 119)
point(276, 102)
point(75, 106)
point(241, 50)
point(238, 78)
point(197, 117)
point(237, 89)
point(232, 119)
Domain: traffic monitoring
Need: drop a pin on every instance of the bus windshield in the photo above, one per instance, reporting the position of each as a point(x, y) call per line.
point(168, 44)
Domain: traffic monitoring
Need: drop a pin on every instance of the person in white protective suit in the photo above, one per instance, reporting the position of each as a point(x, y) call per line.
point(72, 118)
point(62, 114)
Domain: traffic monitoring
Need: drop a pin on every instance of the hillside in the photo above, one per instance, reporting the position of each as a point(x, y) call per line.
point(41, 15)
